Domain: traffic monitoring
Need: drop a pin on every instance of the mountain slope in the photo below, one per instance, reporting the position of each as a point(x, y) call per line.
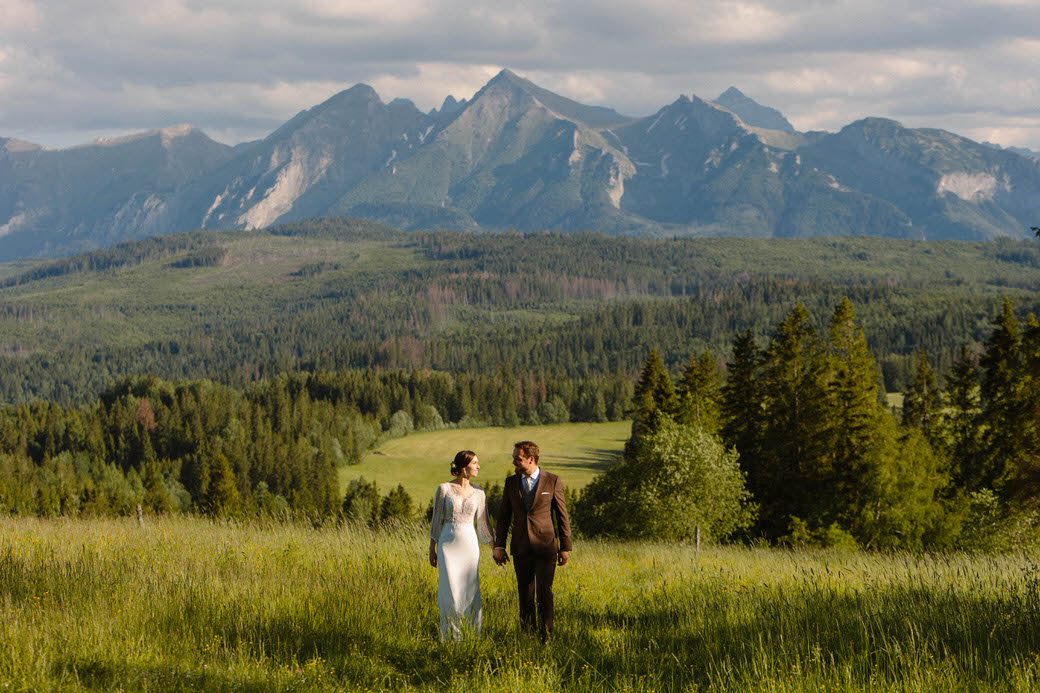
point(700, 167)
point(303, 167)
point(517, 156)
point(753, 113)
point(64, 201)
point(507, 160)
point(949, 186)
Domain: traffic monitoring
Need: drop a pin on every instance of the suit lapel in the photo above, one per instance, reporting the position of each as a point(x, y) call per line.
point(519, 492)
point(537, 493)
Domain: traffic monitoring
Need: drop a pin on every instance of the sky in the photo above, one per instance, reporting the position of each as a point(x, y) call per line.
point(72, 71)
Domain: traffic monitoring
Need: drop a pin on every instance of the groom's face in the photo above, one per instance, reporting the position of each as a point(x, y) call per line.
point(523, 465)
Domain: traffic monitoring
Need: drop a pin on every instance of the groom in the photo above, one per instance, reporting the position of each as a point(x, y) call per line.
point(531, 500)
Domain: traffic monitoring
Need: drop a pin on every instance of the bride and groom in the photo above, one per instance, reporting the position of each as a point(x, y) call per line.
point(531, 500)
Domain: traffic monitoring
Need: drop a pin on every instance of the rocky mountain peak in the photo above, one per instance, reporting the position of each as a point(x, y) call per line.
point(753, 113)
point(520, 156)
point(593, 116)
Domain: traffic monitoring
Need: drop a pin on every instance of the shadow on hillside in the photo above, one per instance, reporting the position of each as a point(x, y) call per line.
point(596, 460)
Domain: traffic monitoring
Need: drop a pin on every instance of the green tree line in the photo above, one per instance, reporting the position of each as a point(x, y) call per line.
point(272, 448)
point(816, 454)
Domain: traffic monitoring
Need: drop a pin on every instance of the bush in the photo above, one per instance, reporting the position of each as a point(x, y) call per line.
point(678, 478)
point(397, 506)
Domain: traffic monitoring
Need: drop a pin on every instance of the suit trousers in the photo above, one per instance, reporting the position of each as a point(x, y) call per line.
point(534, 580)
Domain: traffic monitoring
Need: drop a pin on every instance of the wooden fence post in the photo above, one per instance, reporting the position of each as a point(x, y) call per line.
point(140, 516)
point(698, 542)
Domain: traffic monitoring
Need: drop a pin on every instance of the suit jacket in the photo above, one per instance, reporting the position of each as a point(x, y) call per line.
point(533, 531)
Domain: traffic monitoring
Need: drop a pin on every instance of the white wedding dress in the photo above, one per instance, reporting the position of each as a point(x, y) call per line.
point(458, 553)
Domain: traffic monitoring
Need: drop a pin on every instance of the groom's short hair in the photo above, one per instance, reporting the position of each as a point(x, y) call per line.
point(528, 449)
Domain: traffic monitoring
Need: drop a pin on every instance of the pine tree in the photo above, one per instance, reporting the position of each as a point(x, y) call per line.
point(922, 399)
point(361, 501)
point(156, 497)
point(698, 396)
point(858, 439)
point(742, 399)
point(1031, 404)
point(785, 481)
point(223, 499)
point(397, 506)
point(1003, 408)
point(654, 397)
point(959, 423)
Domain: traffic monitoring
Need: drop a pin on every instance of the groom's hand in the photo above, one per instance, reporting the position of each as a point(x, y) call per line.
point(500, 556)
point(561, 558)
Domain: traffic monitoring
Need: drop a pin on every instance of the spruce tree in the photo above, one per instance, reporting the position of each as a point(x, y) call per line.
point(1003, 407)
point(654, 397)
point(397, 506)
point(960, 430)
point(361, 501)
point(1031, 405)
point(223, 499)
point(742, 401)
point(698, 396)
point(922, 399)
point(785, 482)
point(855, 458)
point(156, 497)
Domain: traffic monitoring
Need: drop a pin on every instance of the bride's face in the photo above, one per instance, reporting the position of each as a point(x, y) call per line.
point(471, 469)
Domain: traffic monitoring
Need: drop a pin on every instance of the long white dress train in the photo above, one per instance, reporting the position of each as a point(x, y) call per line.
point(458, 554)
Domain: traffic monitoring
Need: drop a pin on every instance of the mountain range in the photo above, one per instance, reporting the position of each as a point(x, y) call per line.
point(517, 156)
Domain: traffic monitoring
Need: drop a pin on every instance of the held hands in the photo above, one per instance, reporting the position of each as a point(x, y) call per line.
point(500, 556)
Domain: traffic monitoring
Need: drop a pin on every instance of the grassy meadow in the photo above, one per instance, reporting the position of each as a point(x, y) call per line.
point(185, 604)
point(578, 452)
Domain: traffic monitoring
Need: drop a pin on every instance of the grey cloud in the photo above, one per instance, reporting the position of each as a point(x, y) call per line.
point(79, 67)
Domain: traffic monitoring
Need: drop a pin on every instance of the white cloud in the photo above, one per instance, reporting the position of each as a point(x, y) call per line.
point(244, 66)
point(18, 16)
point(743, 22)
point(432, 82)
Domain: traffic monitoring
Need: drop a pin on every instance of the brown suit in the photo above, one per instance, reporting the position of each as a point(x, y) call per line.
point(535, 542)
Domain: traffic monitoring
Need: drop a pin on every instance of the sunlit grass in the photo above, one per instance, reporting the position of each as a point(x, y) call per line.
point(578, 452)
point(185, 604)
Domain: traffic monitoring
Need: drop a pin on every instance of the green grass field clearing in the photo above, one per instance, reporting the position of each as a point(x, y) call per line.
point(191, 605)
point(419, 462)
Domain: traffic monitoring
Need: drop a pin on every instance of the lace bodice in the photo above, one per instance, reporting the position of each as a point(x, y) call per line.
point(450, 506)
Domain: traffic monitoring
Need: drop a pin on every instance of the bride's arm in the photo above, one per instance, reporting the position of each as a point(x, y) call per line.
point(435, 525)
point(484, 530)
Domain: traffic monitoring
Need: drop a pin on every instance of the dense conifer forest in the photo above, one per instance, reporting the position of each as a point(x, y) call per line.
point(230, 374)
point(824, 460)
point(343, 294)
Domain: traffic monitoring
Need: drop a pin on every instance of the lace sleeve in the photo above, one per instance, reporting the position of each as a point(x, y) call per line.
point(484, 531)
point(438, 515)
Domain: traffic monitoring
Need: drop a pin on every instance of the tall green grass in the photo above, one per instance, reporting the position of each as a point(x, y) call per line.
point(186, 604)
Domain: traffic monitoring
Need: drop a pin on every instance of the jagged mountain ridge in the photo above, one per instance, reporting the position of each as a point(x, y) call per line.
point(517, 156)
point(56, 202)
point(753, 113)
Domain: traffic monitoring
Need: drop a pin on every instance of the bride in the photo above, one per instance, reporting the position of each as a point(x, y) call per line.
point(454, 547)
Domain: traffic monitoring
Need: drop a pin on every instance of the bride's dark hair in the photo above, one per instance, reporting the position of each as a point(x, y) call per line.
point(462, 461)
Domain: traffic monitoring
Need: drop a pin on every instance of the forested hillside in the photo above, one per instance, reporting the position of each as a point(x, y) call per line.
point(334, 294)
point(272, 449)
point(796, 444)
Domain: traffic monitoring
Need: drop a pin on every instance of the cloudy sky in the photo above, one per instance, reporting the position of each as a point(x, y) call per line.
point(72, 70)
